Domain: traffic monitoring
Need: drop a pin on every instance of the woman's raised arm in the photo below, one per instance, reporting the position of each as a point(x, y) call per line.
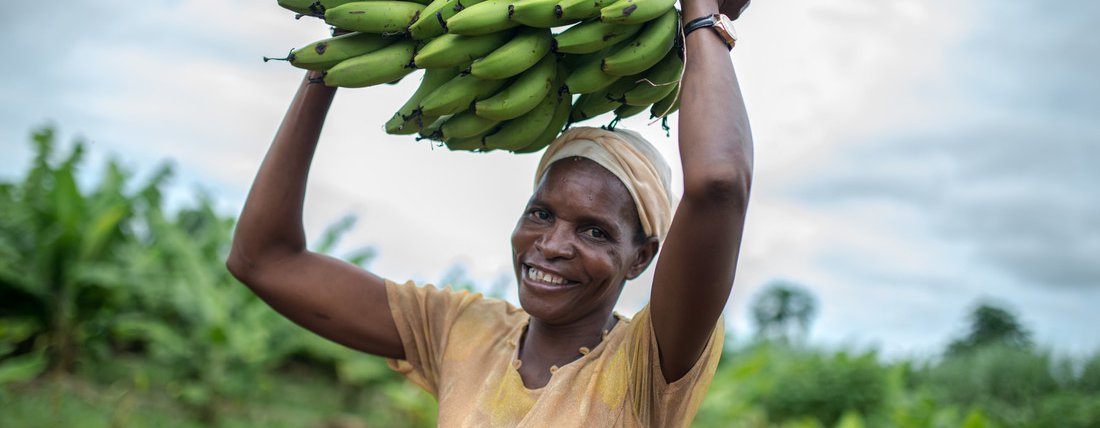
point(695, 272)
point(332, 298)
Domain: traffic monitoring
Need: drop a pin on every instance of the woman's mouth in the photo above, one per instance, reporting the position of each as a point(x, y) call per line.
point(538, 276)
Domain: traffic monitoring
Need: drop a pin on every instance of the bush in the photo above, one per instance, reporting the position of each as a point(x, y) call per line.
point(1009, 382)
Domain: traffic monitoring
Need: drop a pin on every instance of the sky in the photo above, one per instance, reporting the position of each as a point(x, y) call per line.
point(913, 157)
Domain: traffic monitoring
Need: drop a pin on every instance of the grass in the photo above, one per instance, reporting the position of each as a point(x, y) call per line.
point(294, 398)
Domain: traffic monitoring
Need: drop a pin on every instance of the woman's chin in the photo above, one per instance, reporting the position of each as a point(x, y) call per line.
point(545, 308)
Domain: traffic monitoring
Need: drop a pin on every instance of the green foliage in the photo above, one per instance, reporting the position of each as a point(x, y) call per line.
point(22, 368)
point(780, 384)
point(783, 312)
point(824, 387)
point(770, 385)
point(1012, 384)
point(93, 276)
point(991, 325)
point(193, 318)
point(1089, 383)
point(58, 247)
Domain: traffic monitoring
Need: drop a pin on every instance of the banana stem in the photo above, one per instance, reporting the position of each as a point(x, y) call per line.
point(614, 122)
point(289, 57)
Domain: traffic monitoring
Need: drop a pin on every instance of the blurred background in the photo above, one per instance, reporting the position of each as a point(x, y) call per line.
point(922, 248)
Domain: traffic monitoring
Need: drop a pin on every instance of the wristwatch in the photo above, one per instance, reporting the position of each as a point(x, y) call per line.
point(719, 22)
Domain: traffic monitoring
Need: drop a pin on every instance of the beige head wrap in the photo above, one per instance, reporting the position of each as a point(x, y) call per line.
point(630, 158)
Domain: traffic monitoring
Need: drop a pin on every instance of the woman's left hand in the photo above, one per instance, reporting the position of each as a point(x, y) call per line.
point(732, 8)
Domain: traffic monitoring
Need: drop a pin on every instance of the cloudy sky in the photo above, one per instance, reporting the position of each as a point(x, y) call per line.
point(913, 156)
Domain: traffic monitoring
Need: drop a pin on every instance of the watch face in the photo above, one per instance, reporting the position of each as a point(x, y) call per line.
point(727, 26)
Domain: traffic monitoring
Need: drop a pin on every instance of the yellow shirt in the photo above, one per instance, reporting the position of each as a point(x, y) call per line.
point(461, 348)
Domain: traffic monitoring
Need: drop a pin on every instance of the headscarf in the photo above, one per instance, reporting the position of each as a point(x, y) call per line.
point(630, 158)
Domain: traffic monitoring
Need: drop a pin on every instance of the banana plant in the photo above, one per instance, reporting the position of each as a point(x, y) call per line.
point(215, 337)
point(59, 253)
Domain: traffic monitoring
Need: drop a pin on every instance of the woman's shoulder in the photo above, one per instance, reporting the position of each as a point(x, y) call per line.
point(456, 304)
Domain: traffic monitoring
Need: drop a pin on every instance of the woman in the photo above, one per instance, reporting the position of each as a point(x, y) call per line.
point(599, 215)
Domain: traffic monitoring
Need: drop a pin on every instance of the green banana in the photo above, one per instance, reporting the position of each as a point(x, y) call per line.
point(467, 144)
point(618, 89)
point(466, 124)
point(329, 4)
point(581, 9)
point(483, 18)
point(523, 94)
point(450, 50)
point(592, 36)
point(626, 110)
point(304, 7)
point(591, 105)
point(646, 49)
point(520, 132)
point(515, 56)
point(430, 22)
point(597, 103)
point(431, 131)
point(635, 11)
point(538, 14)
point(561, 117)
point(381, 66)
point(666, 105)
point(398, 126)
point(457, 94)
point(659, 81)
point(408, 119)
point(415, 124)
point(382, 16)
point(588, 75)
point(324, 54)
point(432, 19)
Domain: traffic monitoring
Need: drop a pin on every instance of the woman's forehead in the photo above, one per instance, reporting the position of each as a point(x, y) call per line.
point(578, 170)
point(583, 181)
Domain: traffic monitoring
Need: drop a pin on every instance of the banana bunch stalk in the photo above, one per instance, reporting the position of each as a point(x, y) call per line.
point(504, 75)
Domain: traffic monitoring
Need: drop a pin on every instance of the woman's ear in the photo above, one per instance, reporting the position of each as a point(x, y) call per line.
point(646, 252)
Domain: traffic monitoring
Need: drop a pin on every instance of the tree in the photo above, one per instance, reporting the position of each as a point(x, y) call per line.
point(783, 312)
point(991, 325)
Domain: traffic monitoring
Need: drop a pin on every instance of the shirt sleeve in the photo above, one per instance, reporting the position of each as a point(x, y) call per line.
point(424, 317)
point(658, 403)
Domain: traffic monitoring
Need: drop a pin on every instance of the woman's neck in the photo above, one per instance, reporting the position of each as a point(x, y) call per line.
point(545, 345)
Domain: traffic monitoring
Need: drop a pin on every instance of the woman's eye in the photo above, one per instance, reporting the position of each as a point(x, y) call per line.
point(595, 233)
point(540, 214)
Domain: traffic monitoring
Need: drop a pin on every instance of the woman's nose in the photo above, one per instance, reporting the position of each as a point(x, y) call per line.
point(556, 243)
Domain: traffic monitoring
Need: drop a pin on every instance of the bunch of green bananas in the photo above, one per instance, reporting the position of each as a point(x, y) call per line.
point(497, 76)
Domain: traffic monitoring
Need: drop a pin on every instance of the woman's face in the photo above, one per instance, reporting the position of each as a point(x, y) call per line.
point(575, 246)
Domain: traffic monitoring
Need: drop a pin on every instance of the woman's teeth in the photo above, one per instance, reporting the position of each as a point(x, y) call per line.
point(541, 276)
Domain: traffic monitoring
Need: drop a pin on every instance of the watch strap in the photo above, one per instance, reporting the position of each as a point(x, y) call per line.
point(697, 23)
point(712, 22)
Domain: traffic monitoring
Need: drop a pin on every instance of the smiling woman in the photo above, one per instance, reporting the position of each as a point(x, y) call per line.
point(599, 215)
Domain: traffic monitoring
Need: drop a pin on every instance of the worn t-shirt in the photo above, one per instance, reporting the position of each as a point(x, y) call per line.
point(462, 348)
